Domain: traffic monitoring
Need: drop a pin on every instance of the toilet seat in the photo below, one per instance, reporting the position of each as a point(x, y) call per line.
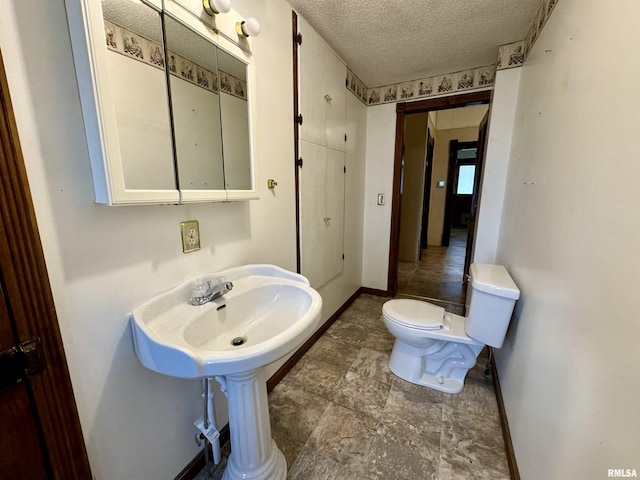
point(414, 314)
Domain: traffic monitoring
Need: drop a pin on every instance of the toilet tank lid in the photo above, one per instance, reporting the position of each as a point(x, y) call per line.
point(493, 279)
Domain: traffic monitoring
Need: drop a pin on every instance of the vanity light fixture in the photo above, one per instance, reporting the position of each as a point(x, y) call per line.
point(214, 7)
point(248, 28)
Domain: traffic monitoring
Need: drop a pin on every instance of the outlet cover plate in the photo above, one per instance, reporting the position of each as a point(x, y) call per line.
point(190, 236)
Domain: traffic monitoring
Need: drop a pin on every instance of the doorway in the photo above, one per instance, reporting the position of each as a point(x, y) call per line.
point(460, 187)
point(432, 200)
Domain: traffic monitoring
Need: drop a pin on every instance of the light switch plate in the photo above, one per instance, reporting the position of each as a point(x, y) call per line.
point(190, 236)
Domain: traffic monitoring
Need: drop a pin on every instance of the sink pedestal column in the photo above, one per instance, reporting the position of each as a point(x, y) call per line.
point(254, 454)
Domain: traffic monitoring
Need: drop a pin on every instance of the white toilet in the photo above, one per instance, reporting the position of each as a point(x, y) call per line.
point(435, 348)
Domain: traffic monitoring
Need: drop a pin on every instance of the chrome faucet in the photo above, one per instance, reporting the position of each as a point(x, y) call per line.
point(209, 291)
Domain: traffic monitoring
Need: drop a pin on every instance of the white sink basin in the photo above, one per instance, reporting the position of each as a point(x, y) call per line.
point(271, 309)
point(268, 314)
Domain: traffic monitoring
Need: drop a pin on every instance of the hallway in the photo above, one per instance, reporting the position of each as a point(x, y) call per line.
point(438, 275)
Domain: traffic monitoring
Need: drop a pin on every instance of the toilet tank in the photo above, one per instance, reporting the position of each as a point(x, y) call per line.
point(491, 296)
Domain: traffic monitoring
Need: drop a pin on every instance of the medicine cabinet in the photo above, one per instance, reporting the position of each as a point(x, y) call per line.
point(166, 94)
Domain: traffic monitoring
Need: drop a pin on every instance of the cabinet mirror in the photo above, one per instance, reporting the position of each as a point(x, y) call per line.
point(138, 91)
point(235, 122)
point(166, 105)
point(195, 104)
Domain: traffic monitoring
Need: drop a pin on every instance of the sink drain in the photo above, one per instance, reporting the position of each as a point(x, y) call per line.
point(236, 342)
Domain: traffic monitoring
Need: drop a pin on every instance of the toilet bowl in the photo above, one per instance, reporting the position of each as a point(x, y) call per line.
point(435, 348)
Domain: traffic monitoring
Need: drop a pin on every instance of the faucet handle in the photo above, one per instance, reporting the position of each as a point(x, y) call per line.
point(200, 293)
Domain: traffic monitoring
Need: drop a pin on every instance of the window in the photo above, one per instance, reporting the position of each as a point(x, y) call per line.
point(466, 174)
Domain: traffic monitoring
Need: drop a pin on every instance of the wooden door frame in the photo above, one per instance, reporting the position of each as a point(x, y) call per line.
point(32, 307)
point(426, 196)
point(481, 155)
point(403, 109)
point(297, 162)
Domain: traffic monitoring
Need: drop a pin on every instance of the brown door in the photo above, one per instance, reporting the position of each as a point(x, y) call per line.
point(475, 198)
point(21, 452)
point(40, 435)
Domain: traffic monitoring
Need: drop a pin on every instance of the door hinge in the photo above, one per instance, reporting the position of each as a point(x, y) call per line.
point(298, 38)
point(299, 162)
point(298, 119)
point(343, 256)
point(345, 169)
point(18, 363)
point(345, 137)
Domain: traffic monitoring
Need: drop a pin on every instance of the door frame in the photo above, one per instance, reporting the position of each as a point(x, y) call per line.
point(481, 155)
point(297, 120)
point(426, 196)
point(24, 270)
point(403, 109)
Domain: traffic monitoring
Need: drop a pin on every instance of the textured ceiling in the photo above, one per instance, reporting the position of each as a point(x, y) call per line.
point(385, 42)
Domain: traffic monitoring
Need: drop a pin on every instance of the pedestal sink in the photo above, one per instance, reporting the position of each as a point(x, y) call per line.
point(268, 314)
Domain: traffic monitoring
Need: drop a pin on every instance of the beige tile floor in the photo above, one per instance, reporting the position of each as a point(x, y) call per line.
point(438, 275)
point(341, 414)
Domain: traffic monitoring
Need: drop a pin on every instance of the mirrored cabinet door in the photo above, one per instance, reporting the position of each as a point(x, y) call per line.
point(119, 58)
point(195, 105)
point(166, 105)
point(235, 123)
point(136, 66)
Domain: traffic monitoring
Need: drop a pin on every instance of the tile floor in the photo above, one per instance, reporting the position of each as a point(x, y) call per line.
point(341, 414)
point(438, 275)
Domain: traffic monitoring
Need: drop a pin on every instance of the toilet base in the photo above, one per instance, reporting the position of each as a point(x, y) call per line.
point(442, 366)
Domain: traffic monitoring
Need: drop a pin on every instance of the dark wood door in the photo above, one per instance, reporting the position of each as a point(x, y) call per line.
point(40, 434)
point(21, 452)
point(475, 198)
point(426, 198)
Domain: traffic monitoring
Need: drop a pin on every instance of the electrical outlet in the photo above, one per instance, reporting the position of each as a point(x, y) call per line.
point(190, 236)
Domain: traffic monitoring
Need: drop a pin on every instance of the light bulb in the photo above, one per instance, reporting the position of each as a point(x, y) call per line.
point(214, 7)
point(248, 28)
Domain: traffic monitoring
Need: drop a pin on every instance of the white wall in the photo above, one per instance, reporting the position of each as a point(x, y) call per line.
point(103, 261)
point(494, 174)
point(381, 131)
point(415, 141)
point(570, 368)
point(460, 117)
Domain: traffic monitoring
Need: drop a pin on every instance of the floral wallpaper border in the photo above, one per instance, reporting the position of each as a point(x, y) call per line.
point(514, 54)
point(142, 49)
point(509, 56)
point(464, 80)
